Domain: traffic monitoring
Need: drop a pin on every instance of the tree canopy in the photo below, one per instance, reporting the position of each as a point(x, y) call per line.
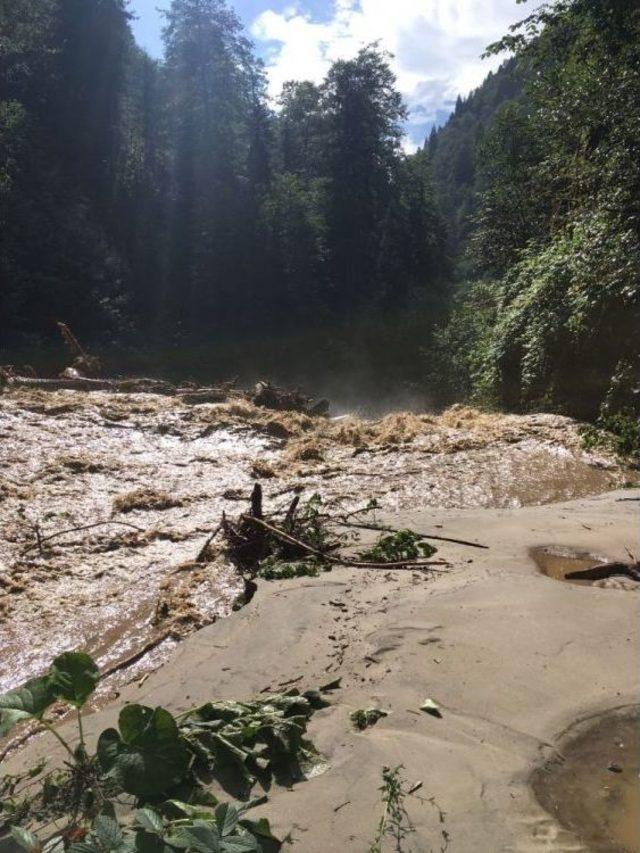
point(168, 208)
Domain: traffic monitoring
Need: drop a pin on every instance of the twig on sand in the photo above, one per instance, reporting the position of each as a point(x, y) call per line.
point(41, 539)
point(136, 656)
point(338, 559)
point(383, 529)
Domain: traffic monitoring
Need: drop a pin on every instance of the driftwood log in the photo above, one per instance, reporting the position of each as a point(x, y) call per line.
point(270, 397)
point(607, 570)
point(265, 395)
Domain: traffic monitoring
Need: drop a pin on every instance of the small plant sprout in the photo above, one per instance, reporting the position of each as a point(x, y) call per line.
point(395, 824)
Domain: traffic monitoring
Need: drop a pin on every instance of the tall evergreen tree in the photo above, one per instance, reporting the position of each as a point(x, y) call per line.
point(215, 95)
point(364, 114)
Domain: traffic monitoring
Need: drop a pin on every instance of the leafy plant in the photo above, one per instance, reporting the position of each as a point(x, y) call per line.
point(273, 569)
point(72, 677)
point(147, 755)
point(394, 823)
point(241, 742)
point(157, 762)
point(181, 827)
point(405, 545)
point(619, 432)
point(362, 719)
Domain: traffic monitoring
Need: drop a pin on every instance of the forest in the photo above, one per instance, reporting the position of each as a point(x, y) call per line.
point(180, 222)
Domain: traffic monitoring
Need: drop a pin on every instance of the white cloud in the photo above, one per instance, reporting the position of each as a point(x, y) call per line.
point(436, 46)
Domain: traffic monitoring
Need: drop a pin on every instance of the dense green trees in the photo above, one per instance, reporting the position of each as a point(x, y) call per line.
point(556, 240)
point(168, 203)
point(62, 69)
point(170, 199)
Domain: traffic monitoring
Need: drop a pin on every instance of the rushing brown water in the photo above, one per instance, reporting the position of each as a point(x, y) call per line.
point(595, 790)
point(70, 459)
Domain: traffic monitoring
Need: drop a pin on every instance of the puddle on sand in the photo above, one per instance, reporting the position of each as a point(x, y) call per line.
point(595, 791)
point(557, 562)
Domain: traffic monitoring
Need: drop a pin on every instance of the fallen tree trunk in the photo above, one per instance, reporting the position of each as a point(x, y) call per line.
point(84, 383)
point(63, 384)
point(266, 396)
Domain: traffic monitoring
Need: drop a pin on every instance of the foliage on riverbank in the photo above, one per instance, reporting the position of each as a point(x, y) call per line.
point(146, 787)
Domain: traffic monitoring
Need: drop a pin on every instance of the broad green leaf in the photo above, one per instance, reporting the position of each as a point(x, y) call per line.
point(73, 677)
point(27, 840)
point(226, 818)
point(251, 804)
point(108, 832)
point(10, 718)
point(200, 838)
point(201, 804)
point(149, 820)
point(239, 844)
point(139, 725)
point(108, 748)
point(362, 719)
point(148, 843)
point(259, 828)
point(148, 756)
point(27, 702)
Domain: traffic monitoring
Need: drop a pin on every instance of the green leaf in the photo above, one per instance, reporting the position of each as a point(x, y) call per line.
point(108, 832)
point(86, 846)
point(147, 843)
point(226, 818)
point(140, 725)
point(54, 845)
point(27, 840)
point(27, 702)
point(73, 677)
point(259, 828)
point(362, 719)
point(148, 756)
point(187, 810)
point(200, 838)
point(149, 820)
point(239, 844)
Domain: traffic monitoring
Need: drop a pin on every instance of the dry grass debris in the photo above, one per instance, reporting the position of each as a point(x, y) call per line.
point(262, 470)
point(146, 499)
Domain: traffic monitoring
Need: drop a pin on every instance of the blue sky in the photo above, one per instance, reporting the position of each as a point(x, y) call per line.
point(436, 43)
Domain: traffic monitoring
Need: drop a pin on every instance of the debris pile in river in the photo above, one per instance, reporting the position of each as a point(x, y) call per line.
point(264, 395)
point(85, 374)
point(305, 539)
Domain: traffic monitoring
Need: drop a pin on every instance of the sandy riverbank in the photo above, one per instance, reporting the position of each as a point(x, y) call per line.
point(511, 657)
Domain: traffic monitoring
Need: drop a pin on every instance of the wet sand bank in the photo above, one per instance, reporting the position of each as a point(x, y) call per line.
point(511, 657)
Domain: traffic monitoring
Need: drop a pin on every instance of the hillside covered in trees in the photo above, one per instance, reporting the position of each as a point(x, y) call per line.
point(167, 211)
point(550, 314)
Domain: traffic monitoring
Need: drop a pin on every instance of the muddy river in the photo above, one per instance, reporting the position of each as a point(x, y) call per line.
point(154, 474)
